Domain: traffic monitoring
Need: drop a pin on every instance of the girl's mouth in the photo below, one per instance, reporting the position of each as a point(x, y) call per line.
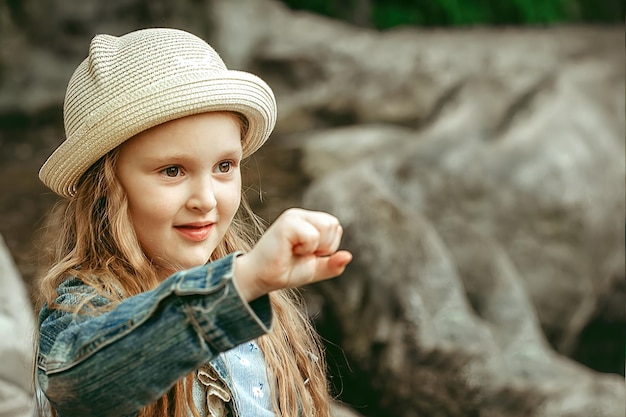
point(195, 233)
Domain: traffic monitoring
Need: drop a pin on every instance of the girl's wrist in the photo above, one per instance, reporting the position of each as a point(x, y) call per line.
point(243, 276)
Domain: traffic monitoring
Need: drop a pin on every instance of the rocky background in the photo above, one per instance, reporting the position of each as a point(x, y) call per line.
point(479, 174)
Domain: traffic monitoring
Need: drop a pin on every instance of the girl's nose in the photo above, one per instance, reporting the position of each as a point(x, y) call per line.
point(202, 198)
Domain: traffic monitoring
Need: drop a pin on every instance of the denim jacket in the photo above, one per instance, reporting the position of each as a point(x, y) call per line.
point(115, 363)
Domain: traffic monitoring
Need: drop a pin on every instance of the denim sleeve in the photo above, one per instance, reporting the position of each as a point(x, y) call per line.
point(117, 362)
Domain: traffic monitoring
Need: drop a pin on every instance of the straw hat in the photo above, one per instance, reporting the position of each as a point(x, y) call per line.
point(131, 83)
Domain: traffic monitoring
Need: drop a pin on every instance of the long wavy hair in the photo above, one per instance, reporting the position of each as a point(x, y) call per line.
point(91, 237)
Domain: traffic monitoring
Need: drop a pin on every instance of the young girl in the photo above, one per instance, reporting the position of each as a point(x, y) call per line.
point(157, 301)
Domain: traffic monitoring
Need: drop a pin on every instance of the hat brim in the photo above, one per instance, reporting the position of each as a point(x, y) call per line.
point(193, 93)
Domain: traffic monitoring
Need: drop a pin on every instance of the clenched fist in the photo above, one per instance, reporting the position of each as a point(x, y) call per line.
point(299, 248)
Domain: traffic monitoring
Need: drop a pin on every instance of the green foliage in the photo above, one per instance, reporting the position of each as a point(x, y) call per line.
point(389, 13)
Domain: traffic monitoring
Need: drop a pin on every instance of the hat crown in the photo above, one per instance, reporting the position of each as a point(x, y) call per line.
point(122, 65)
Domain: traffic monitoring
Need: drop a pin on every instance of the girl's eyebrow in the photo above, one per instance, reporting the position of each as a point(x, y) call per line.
point(233, 153)
point(164, 158)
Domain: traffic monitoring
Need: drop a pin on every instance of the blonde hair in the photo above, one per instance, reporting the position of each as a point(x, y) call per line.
point(94, 240)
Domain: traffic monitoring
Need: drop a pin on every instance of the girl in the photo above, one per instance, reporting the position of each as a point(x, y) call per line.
point(157, 302)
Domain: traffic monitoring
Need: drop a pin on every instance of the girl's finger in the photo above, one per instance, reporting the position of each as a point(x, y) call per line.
point(333, 265)
point(330, 241)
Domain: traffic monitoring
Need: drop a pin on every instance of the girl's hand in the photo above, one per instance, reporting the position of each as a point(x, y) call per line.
point(299, 248)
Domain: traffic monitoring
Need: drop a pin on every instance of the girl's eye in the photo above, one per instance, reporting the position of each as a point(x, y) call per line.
point(224, 167)
point(172, 171)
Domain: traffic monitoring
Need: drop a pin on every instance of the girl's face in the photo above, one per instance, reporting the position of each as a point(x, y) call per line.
point(183, 184)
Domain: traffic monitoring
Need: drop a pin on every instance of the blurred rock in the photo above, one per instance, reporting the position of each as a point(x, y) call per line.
point(436, 305)
point(17, 327)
